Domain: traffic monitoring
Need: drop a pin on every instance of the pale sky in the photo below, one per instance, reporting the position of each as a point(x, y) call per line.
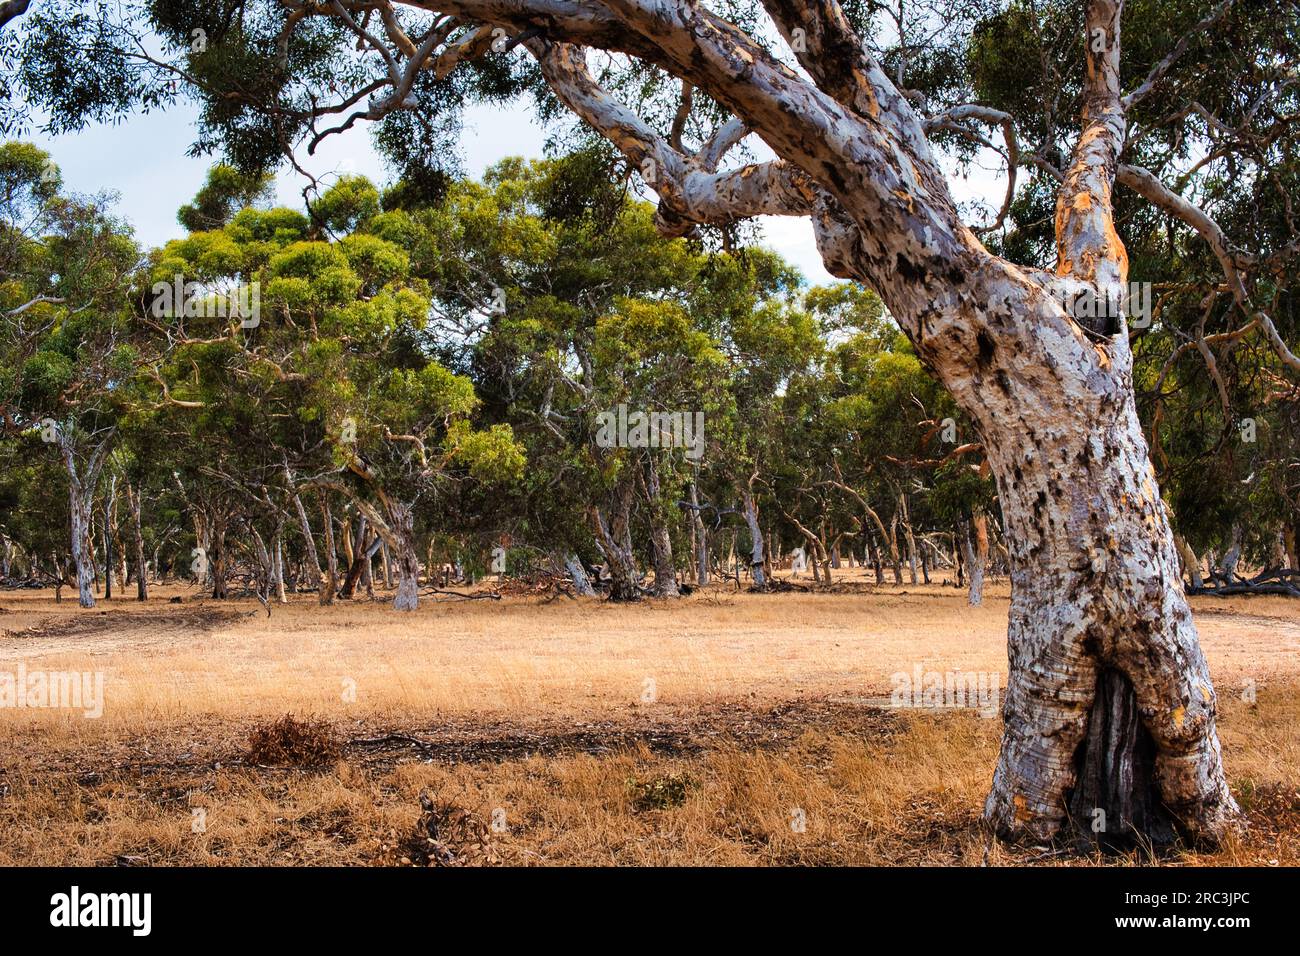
point(144, 160)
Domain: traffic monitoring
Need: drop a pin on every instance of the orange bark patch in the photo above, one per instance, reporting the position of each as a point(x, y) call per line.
point(1022, 807)
point(873, 105)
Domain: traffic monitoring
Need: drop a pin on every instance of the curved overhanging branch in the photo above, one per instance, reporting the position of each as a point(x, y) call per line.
point(726, 137)
point(691, 192)
point(826, 45)
point(1231, 259)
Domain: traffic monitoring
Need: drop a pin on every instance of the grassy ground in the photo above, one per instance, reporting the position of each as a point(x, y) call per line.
point(720, 729)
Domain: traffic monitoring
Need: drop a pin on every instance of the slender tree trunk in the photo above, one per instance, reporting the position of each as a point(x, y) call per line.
point(909, 537)
point(977, 555)
point(331, 579)
point(106, 537)
point(118, 561)
point(308, 540)
point(699, 562)
point(277, 557)
point(368, 568)
point(1228, 568)
point(873, 553)
point(661, 542)
point(81, 494)
point(355, 548)
point(958, 553)
point(135, 505)
point(1191, 564)
point(349, 550)
point(895, 560)
point(578, 574)
point(79, 508)
point(217, 558)
point(1279, 549)
point(755, 538)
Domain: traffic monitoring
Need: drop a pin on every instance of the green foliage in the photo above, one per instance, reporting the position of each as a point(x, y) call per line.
point(225, 192)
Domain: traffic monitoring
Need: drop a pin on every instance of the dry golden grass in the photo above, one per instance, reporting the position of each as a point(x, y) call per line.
point(538, 713)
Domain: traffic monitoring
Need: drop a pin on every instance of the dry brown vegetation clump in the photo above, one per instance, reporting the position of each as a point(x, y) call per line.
point(289, 742)
point(445, 835)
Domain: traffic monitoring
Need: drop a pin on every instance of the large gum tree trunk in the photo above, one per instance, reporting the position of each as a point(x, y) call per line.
point(1109, 709)
point(401, 521)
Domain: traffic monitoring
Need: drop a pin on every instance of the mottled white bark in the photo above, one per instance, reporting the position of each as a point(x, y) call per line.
point(83, 474)
point(401, 524)
point(578, 575)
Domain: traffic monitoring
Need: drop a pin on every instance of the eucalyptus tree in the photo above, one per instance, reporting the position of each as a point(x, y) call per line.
point(1032, 351)
point(296, 364)
point(69, 341)
point(553, 292)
